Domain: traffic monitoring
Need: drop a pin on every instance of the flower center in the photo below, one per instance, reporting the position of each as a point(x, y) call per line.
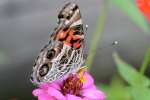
point(72, 85)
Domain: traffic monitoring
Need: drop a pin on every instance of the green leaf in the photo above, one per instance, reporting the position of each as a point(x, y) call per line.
point(117, 90)
point(102, 87)
point(140, 93)
point(129, 74)
point(129, 7)
point(145, 62)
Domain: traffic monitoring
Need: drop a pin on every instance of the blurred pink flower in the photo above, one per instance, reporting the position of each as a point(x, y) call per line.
point(74, 87)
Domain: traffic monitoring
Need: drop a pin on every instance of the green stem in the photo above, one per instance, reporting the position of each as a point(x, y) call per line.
point(97, 34)
point(145, 62)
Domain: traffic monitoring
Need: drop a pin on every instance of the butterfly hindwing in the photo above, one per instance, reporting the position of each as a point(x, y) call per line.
point(64, 53)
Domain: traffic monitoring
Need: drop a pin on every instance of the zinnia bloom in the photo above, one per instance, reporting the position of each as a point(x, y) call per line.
point(75, 87)
point(144, 7)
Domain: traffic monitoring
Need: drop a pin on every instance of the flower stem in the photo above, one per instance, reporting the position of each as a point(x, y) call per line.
point(97, 34)
point(145, 62)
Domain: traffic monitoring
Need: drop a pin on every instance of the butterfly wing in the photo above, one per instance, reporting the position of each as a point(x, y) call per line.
point(64, 53)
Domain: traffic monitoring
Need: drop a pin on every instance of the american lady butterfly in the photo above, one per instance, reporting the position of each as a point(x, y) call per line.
point(64, 54)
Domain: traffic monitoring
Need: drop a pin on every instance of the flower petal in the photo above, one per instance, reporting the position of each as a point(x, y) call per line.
point(72, 97)
point(144, 7)
point(55, 93)
point(55, 85)
point(89, 80)
point(42, 95)
point(93, 94)
point(37, 92)
point(45, 97)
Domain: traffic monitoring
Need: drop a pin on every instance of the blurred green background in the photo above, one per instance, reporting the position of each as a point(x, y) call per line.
point(114, 25)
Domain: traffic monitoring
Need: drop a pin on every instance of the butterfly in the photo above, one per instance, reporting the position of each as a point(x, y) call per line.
point(64, 54)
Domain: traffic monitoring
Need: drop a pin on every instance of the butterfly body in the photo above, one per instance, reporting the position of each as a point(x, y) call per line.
point(64, 52)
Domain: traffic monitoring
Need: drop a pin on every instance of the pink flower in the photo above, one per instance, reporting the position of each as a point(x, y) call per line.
point(74, 87)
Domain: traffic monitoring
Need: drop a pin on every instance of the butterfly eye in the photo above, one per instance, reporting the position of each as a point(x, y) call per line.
point(43, 70)
point(50, 54)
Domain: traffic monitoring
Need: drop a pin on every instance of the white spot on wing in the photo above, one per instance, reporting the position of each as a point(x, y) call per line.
point(77, 23)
